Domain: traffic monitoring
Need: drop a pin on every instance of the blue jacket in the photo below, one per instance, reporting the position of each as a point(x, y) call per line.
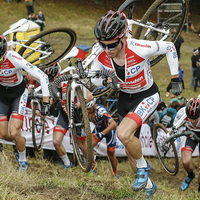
point(170, 110)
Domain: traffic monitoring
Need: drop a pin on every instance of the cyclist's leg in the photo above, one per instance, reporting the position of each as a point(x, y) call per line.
point(111, 146)
point(186, 153)
point(58, 134)
point(4, 122)
point(126, 133)
point(131, 161)
point(16, 120)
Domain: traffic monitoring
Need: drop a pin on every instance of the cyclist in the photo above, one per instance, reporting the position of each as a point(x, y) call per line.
point(14, 96)
point(105, 127)
point(139, 95)
point(61, 126)
point(192, 123)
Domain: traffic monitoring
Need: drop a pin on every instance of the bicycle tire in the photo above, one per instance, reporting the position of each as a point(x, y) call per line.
point(170, 164)
point(59, 41)
point(37, 121)
point(81, 120)
point(150, 14)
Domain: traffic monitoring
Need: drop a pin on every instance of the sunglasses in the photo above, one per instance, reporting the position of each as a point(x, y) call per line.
point(110, 46)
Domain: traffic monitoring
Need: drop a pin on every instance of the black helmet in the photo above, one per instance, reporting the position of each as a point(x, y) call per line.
point(111, 26)
point(193, 109)
point(53, 71)
point(3, 45)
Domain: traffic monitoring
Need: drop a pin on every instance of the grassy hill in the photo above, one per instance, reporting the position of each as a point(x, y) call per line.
point(45, 180)
point(82, 16)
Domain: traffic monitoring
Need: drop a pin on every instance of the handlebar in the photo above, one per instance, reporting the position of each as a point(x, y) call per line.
point(185, 133)
point(53, 88)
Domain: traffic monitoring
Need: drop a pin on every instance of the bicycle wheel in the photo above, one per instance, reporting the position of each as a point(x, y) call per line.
point(56, 41)
point(173, 16)
point(38, 123)
point(168, 159)
point(80, 125)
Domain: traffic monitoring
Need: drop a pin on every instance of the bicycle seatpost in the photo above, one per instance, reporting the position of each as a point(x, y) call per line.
point(81, 72)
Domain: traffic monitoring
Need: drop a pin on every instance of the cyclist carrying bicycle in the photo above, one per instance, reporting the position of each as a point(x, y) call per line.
point(192, 123)
point(62, 124)
point(14, 96)
point(105, 127)
point(139, 94)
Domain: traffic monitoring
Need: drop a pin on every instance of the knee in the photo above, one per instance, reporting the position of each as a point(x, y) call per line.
point(111, 155)
point(186, 162)
point(123, 135)
point(14, 132)
point(56, 143)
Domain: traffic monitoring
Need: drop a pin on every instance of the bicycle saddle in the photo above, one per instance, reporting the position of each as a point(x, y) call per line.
point(21, 26)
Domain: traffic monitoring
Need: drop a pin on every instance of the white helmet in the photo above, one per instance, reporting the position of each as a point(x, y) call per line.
point(91, 103)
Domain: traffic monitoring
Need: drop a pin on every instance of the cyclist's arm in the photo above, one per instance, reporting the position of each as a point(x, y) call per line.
point(112, 124)
point(179, 114)
point(39, 75)
point(152, 48)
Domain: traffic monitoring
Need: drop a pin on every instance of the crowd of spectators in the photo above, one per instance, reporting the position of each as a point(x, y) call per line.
point(165, 114)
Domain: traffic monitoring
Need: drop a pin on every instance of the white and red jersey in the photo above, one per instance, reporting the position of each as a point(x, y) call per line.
point(11, 72)
point(138, 75)
point(187, 121)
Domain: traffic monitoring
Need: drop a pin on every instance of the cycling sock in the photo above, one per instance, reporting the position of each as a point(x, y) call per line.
point(22, 156)
point(141, 163)
point(199, 188)
point(191, 174)
point(65, 159)
point(149, 184)
point(115, 171)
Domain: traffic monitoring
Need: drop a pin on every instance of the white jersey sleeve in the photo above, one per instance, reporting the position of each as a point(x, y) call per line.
point(159, 48)
point(21, 63)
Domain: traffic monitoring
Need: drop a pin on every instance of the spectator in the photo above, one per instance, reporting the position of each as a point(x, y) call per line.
point(152, 120)
point(41, 16)
point(161, 106)
point(181, 72)
point(183, 102)
point(178, 43)
point(196, 76)
point(32, 17)
point(29, 6)
point(168, 115)
point(39, 22)
point(195, 63)
point(190, 24)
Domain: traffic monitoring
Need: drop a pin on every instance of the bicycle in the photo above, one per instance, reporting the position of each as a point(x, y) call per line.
point(78, 117)
point(165, 147)
point(38, 122)
point(149, 29)
point(46, 47)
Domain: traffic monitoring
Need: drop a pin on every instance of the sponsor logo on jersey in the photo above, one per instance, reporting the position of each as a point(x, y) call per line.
point(145, 106)
point(133, 70)
point(6, 72)
point(17, 57)
point(140, 45)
